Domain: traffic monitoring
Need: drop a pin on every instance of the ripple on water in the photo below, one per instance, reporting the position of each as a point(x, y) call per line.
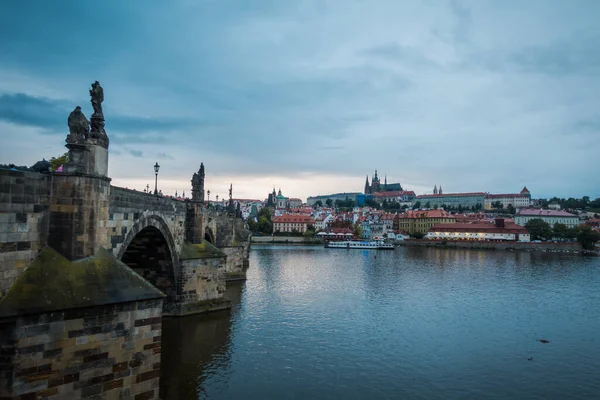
point(413, 323)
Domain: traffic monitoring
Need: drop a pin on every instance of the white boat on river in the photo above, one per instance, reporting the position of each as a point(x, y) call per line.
point(360, 244)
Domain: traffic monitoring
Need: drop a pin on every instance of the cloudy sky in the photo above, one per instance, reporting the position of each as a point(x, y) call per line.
point(310, 96)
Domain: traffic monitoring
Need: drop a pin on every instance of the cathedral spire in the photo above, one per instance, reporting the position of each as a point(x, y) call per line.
point(440, 191)
point(367, 186)
point(435, 191)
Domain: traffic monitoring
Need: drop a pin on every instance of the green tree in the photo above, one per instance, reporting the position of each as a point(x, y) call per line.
point(252, 225)
point(417, 205)
point(265, 223)
point(587, 237)
point(358, 231)
point(318, 203)
point(56, 162)
point(372, 203)
point(428, 205)
point(511, 209)
point(539, 229)
point(560, 231)
point(329, 203)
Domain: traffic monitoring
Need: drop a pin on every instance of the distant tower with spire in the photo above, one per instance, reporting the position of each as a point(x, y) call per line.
point(440, 191)
point(435, 191)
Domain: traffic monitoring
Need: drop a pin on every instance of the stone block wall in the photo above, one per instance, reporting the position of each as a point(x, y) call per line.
point(203, 287)
point(78, 209)
point(237, 262)
point(104, 352)
point(130, 207)
point(23, 222)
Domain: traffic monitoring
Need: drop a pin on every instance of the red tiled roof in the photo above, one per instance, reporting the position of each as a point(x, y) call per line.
point(394, 193)
point(479, 227)
point(341, 230)
point(451, 195)
point(426, 214)
point(544, 213)
point(289, 218)
point(499, 196)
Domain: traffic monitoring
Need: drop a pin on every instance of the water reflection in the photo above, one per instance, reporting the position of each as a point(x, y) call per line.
point(194, 347)
point(413, 323)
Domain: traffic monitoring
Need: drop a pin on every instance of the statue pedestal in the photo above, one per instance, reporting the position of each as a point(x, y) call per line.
point(88, 159)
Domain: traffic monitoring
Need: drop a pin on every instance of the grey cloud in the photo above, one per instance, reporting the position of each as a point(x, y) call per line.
point(51, 115)
point(136, 153)
point(165, 156)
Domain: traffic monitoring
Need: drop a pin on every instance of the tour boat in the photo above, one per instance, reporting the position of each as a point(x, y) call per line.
point(359, 244)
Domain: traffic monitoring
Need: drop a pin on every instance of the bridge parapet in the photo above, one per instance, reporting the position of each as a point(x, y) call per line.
point(23, 222)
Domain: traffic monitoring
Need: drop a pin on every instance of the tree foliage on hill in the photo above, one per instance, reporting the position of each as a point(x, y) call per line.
point(572, 203)
point(497, 205)
point(357, 231)
point(539, 229)
point(587, 237)
point(263, 224)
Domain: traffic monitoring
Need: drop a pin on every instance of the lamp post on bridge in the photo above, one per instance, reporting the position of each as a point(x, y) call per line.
point(156, 168)
point(208, 197)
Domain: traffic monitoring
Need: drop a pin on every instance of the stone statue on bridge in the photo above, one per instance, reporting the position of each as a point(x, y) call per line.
point(198, 184)
point(97, 94)
point(79, 126)
point(97, 133)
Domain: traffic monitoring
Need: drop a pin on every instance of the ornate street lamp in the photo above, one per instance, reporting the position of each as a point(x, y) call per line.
point(156, 168)
point(217, 201)
point(208, 194)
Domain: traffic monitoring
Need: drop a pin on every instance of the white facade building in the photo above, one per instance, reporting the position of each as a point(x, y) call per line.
point(479, 232)
point(550, 216)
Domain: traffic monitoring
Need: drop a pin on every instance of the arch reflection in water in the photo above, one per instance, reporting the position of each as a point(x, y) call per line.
point(195, 346)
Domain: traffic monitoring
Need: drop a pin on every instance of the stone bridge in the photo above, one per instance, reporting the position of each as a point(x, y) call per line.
point(87, 270)
point(183, 247)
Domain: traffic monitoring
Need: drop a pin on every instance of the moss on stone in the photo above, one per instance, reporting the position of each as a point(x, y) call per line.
point(53, 283)
point(191, 251)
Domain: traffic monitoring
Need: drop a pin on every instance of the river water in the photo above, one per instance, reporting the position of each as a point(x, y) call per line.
point(413, 323)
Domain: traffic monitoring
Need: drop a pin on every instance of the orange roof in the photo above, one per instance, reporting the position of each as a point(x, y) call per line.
point(290, 218)
point(426, 214)
point(451, 195)
point(500, 196)
point(394, 193)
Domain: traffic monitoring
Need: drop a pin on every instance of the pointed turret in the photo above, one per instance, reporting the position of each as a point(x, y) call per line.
point(440, 191)
point(435, 191)
point(367, 186)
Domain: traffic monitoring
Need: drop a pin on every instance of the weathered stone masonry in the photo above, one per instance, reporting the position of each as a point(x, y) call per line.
point(87, 270)
point(23, 222)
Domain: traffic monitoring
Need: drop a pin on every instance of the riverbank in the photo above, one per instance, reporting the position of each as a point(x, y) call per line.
point(557, 247)
point(299, 240)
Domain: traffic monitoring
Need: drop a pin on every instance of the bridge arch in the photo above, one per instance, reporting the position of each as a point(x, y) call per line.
point(149, 249)
point(209, 236)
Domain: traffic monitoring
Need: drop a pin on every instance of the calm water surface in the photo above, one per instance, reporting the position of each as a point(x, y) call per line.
point(413, 323)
